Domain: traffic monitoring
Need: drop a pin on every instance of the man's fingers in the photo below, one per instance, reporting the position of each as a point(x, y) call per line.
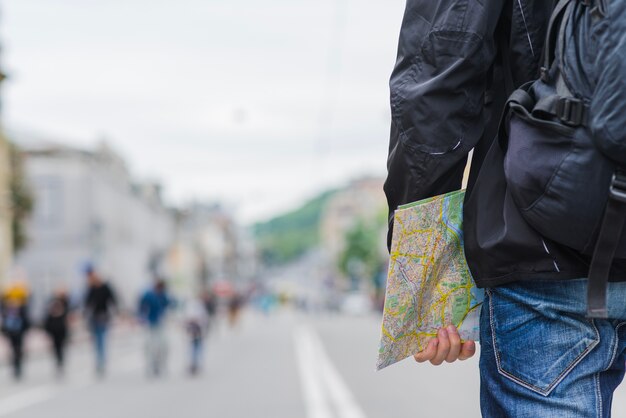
point(428, 353)
point(455, 344)
point(443, 348)
point(446, 347)
point(468, 349)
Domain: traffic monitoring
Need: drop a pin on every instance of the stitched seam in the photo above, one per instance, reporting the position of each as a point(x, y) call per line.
point(598, 394)
point(571, 366)
point(497, 352)
point(493, 329)
point(615, 345)
point(560, 377)
point(462, 16)
point(577, 360)
point(396, 99)
point(530, 42)
point(493, 334)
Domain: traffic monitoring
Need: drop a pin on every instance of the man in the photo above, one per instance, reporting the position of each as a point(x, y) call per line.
point(56, 325)
point(196, 323)
point(15, 322)
point(457, 62)
point(152, 308)
point(100, 301)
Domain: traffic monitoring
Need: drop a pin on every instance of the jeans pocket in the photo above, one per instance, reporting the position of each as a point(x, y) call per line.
point(537, 347)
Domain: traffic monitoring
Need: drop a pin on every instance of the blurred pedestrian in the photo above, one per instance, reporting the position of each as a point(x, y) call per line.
point(57, 327)
point(196, 319)
point(15, 322)
point(153, 305)
point(100, 302)
point(209, 300)
point(234, 308)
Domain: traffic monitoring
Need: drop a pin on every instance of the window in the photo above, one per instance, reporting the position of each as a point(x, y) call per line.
point(48, 209)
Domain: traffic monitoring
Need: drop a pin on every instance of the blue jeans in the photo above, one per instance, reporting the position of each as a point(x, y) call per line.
point(196, 354)
point(540, 356)
point(99, 333)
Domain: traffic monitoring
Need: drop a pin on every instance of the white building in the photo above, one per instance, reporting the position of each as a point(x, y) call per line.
point(210, 248)
point(6, 217)
point(87, 210)
point(362, 199)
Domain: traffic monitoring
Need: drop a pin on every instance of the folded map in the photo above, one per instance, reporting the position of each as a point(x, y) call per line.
point(429, 284)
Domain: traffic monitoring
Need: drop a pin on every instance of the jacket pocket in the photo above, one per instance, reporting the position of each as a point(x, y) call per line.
point(537, 347)
point(437, 97)
point(534, 155)
point(557, 178)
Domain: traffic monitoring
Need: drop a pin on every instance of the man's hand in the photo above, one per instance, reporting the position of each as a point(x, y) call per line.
point(447, 346)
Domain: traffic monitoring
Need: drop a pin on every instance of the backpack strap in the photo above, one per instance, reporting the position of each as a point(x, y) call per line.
point(608, 240)
point(571, 111)
point(551, 37)
point(560, 13)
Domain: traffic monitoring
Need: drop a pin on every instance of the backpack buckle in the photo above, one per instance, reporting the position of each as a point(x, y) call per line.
point(617, 190)
point(571, 111)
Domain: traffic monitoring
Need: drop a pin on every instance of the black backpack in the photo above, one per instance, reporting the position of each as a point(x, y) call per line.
point(561, 178)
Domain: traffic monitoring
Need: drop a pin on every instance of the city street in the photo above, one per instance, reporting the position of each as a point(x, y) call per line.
point(287, 365)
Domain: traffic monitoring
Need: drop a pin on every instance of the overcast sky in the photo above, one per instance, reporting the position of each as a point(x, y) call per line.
point(259, 104)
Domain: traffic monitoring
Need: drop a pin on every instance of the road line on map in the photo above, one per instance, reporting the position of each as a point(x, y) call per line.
point(314, 396)
point(337, 388)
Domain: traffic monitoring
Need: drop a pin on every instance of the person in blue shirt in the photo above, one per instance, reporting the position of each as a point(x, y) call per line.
point(153, 306)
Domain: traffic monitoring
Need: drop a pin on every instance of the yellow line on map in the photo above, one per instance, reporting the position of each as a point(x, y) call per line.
point(410, 334)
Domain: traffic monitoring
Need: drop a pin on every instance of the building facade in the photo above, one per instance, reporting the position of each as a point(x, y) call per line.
point(6, 232)
point(361, 200)
point(211, 248)
point(88, 211)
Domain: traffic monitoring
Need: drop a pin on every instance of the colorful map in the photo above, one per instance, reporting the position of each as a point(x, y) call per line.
point(429, 284)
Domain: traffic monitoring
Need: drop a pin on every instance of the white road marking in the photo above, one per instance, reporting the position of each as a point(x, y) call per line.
point(314, 398)
point(320, 379)
point(25, 399)
point(81, 379)
point(337, 388)
point(43, 393)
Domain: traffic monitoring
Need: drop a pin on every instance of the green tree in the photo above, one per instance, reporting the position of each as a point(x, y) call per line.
point(361, 257)
point(21, 197)
point(286, 237)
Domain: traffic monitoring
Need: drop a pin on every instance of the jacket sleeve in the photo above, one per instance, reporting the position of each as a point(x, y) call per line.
point(608, 105)
point(437, 87)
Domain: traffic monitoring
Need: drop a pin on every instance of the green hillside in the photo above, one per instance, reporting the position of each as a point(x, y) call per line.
point(286, 237)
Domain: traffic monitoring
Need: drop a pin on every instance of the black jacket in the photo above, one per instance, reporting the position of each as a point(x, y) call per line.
point(448, 89)
point(14, 318)
point(99, 302)
point(56, 319)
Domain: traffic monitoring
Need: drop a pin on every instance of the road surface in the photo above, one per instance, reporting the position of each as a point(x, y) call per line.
point(286, 365)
